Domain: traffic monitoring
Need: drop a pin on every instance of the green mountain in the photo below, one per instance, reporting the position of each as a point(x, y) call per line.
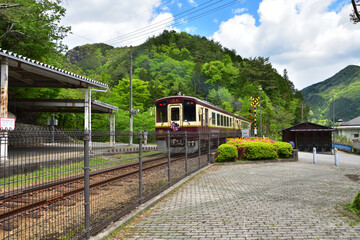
point(195, 66)
point(345, 85)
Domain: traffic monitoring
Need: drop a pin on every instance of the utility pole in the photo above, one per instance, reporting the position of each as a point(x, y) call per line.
point(130, 107)
point(302, 112)
point(333, 117)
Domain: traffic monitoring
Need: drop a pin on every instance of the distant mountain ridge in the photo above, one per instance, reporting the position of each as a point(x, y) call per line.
point(345, 85)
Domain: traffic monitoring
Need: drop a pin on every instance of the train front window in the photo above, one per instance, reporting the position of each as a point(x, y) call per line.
point(175, 114)
point(189, 110)
point(161, 112)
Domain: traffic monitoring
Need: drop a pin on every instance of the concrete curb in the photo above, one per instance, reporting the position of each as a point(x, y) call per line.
point(257, 161)
point(145, 206)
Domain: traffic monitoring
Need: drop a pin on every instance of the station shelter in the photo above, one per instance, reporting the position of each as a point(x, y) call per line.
point(18, 71)
point(308, 135)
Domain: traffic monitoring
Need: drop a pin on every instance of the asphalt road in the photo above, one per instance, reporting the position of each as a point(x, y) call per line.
point(344, 159)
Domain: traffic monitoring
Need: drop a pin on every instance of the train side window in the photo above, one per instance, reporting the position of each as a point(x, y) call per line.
point(189, 110)
point(218, 119)
point(227, 122)
point(231, 122)
point(222, 120)
point(206, 117)
point(175, 114)
point(161, 112)
point(213, 119)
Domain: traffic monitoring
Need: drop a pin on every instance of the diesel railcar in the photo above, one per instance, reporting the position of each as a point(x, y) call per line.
point(180, 114)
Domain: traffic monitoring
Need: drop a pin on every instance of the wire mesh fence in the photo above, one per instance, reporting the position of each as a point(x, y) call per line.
point(72, 184)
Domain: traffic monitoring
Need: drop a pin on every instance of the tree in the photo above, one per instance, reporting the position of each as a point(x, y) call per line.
point(31, 27)
point(120, 95)
point(355, 16)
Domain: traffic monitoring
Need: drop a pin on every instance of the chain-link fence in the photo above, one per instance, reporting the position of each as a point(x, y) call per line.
point(62, 184)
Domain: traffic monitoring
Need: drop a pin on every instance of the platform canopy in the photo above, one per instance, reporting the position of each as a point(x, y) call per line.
point(26, 72)
point(60, 105)
point(19, 71)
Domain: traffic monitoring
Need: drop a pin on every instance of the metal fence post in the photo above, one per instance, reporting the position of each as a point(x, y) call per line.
point(168, 150)
point(209, 148)
point(140, 168)
point(314, 155)
point(186, 154)
point(336, 157)
point(199, 145)
point(87, 183)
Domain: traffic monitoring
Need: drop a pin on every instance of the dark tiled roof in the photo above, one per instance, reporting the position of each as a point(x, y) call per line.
point(352, 122)
point(39, 66)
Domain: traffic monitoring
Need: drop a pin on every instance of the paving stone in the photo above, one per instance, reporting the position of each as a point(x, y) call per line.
point(257, 201)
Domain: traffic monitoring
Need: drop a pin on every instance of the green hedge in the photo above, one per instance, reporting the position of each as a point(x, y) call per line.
point(257, 150)
point(356, 202)
point(226, 153)
point(283, 149)
point(248, 149)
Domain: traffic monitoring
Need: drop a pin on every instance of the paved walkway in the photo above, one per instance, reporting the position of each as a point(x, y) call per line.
point(344, 159)
point(295, 200)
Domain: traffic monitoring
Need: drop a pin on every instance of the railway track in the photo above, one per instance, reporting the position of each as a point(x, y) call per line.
point(29, 200)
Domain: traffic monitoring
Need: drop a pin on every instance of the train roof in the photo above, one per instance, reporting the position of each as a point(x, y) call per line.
point(202, 102)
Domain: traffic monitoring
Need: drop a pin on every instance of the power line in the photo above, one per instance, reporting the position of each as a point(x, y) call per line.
point(4, 5)
point(143, 34)
point(169, 20)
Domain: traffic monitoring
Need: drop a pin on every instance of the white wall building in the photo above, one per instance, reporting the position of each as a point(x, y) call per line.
point(350, 129)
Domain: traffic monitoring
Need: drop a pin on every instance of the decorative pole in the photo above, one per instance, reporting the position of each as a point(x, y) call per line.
point(254, 103)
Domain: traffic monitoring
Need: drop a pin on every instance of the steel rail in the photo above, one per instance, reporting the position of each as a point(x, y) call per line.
point(16, 194)
point(61, 196)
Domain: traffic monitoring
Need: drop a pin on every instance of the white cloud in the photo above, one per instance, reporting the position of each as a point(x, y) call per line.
point(239, 10)
point(300, 35)
point(192, 2)
point(190, 29)
point(179, 5)
point(102, 20)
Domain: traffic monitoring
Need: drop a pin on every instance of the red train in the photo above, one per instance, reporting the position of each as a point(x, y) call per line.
point(198, 118)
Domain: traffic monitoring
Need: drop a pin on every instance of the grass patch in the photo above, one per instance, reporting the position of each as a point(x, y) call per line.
point(66, 170)
point(352, 209)
point(47, 174)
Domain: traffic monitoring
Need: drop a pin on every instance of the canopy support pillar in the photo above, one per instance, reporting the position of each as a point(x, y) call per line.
point(4, 108)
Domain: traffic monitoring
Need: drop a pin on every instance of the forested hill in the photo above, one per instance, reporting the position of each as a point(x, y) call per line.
point(346, 86)
point(178, 62)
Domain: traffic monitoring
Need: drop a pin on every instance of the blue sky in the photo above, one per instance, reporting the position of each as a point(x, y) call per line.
point(312, 39)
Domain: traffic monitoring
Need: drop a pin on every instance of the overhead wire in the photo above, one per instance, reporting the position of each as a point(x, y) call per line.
point(168, 20)
point(138, 34)
point(146, 35)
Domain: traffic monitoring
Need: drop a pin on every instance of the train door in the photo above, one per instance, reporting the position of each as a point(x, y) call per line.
point(176, 115)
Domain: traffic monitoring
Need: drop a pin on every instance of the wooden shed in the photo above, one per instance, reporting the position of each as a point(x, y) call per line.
point(307, 135)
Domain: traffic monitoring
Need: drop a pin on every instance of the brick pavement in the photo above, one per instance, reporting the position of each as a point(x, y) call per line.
point(256, 201)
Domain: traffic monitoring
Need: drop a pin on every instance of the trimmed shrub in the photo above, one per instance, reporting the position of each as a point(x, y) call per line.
point(226, 153)
point(257, 150)
point(356, 202)
point(283, 149)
